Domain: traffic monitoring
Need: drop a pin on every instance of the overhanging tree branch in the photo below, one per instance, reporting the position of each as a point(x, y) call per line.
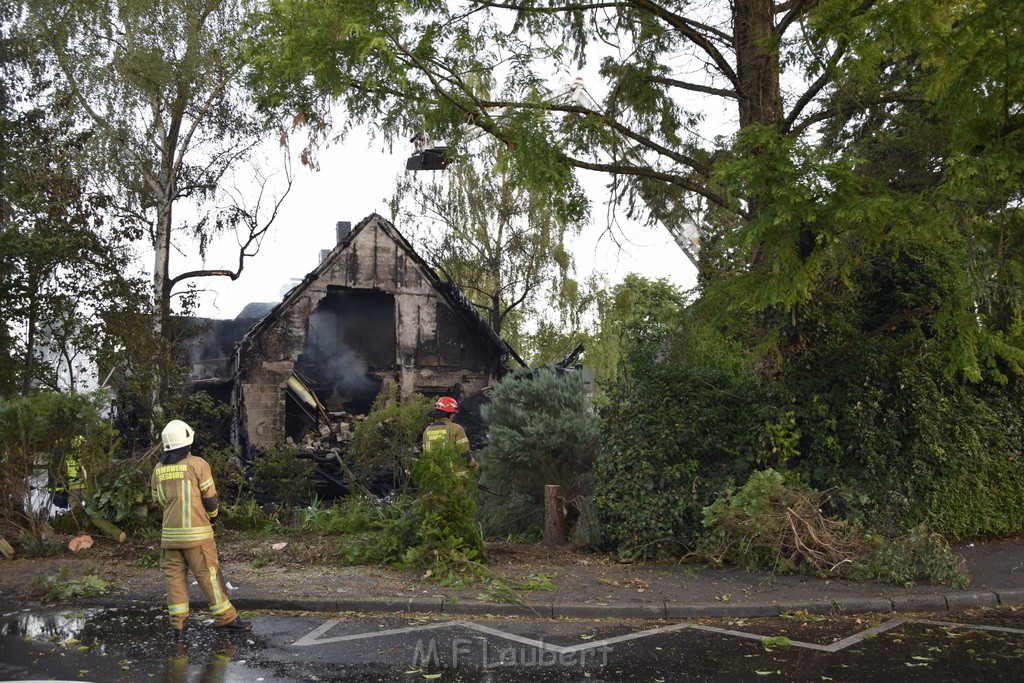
point(695, 87)
point(853, 106)
point(693, 34)
point(812, 91)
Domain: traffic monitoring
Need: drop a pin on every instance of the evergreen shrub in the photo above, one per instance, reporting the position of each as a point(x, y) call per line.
point(886, 425)
point(541, 430)
point(891, 403)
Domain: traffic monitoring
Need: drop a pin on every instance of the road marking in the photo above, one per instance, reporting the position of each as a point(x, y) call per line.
point(589, 645)
point(1003, 629)
point(314, 637)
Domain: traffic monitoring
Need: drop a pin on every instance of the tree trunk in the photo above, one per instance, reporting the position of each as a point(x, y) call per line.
point(757, 73)
point(757, 62)
point(554, 516)
point(30, 338)
point(161, 281)
point(108, 529)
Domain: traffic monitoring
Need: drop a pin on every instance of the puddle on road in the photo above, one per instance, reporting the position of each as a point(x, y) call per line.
point(118, 644)
point(129, 644)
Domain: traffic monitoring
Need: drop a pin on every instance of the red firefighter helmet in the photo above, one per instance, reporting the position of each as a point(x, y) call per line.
point(447, 404)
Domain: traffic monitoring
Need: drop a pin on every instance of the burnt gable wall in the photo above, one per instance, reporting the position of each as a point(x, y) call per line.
point(370, 311)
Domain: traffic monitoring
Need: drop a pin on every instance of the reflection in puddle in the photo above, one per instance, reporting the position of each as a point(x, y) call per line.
point(117, 644)
point(51, 625)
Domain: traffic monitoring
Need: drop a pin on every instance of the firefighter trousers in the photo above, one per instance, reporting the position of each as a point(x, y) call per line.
point(202, 561)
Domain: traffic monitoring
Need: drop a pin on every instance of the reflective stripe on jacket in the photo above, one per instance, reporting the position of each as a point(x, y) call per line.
point(180, 488)
point(75, 473)
point(445, 430)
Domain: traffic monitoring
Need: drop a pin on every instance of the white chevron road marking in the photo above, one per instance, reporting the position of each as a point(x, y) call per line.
point(315, 637)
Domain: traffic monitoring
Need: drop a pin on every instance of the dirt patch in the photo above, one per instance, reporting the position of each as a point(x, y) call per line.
point(304, 568)
point(500, 552)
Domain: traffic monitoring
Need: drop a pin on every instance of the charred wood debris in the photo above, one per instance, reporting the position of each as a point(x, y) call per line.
point(329, 439)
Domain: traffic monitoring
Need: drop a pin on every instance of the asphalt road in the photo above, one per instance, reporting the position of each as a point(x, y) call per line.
point(127, 644)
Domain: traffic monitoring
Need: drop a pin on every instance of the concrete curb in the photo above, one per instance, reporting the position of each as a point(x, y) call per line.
point(1011, 596)
point(920, 603)
point(673, 611)
point(592, 611)
point(971, 599)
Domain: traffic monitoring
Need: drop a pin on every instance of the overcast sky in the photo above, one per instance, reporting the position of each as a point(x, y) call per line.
point(356, 179)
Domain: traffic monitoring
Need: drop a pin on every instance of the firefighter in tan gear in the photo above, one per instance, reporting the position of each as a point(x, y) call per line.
point(444, 430)
point(183, 486)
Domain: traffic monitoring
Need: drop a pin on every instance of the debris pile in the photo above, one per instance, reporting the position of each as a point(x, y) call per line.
point(327, 445)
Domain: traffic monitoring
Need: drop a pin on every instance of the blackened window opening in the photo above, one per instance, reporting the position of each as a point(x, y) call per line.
point(351, 343)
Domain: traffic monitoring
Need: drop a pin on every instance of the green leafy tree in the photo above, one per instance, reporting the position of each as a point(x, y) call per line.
point(173, 127)
point(484, 230)
point(801, 186)
point(385, 443)
point(574, 320)
point(63, 268)
point(637, 320)
point(623, 329)
point(859, 205)
point(34, 427)
point(541, 431)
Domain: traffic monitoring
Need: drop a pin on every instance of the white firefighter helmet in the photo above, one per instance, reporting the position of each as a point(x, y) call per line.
point(176, 434)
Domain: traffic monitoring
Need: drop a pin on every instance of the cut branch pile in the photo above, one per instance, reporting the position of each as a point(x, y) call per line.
point(782, 531)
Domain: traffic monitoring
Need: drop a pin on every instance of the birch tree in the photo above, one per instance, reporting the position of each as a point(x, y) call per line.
point(174, 124)
point(504, 246)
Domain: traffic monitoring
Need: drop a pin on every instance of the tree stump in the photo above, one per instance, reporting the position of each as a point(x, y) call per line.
point(554, 516)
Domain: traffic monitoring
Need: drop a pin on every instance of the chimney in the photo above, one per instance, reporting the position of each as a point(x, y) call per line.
point(344, 228)
point(324, 253)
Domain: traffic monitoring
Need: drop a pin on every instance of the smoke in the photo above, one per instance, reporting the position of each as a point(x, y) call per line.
point(338, 349)
point(211, 342)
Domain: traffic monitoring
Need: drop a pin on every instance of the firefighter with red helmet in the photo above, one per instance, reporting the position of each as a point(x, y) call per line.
point(444, 430)
point(183, 486)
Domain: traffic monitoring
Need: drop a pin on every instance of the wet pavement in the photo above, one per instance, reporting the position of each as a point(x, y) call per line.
point(132, 644)
point(562, 583)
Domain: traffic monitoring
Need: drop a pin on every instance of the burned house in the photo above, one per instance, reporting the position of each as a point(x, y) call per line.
point(371, 311)
point(207, 346)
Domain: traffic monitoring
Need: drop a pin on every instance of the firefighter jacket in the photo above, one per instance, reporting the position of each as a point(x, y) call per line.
point(183, 486)
point(443, 430)
point(66, 472)
point(75, 473)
